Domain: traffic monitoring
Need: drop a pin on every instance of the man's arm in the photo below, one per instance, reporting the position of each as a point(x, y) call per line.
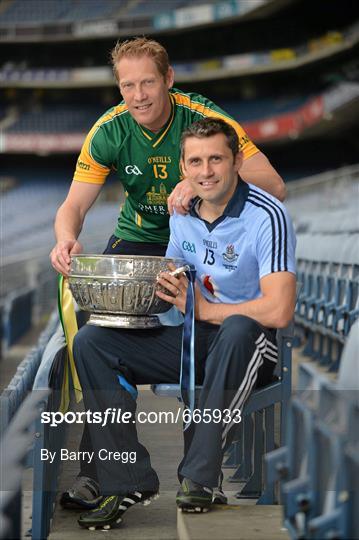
point(274, 309)
point(258, 170)
point(69, 221)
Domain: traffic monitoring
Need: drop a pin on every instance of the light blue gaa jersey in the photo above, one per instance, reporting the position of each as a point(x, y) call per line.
point(253, 238)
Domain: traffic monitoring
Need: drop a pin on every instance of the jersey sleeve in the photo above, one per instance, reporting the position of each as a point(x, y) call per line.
point(205, 107)
point(174, 246)
point(275, 244)
point(94, 162)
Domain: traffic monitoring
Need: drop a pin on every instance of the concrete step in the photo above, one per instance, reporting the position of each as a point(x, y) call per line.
point(156, 521)
point(233, 522)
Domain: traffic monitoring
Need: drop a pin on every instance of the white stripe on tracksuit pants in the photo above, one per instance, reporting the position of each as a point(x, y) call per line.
point(250, 378)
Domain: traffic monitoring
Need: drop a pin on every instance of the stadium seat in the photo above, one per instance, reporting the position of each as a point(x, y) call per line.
point(14, 447)
point(318, 468)
point(348, 376)
point(38, 11)
point(45, 475)
point(329, 302)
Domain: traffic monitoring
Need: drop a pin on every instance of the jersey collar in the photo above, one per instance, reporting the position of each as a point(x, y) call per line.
point(233, 209)
point(155, 138)
point(234, 206)
point(238, 200)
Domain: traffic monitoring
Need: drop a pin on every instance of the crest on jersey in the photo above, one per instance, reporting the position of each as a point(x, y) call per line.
point(230, 255)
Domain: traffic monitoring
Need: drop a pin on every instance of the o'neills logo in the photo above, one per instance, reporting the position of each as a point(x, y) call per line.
point(82, 165)
point(159, 159)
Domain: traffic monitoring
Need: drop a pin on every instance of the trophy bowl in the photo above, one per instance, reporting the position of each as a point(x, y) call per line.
point(120, 290)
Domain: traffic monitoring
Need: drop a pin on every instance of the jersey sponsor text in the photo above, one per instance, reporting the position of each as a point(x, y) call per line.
point(159, 159)
point(210, 244)
point(153, 209)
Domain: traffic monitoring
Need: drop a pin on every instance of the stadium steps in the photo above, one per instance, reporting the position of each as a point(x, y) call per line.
point(237, 522)
point(160, 520)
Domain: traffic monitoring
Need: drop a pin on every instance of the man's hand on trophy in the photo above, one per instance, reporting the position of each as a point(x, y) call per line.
point(60, 256)
point(175, 286)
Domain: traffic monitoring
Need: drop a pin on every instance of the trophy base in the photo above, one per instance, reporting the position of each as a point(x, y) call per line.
point(124, 321)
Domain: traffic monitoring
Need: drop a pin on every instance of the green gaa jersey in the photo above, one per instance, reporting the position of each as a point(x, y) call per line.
point(146, 163)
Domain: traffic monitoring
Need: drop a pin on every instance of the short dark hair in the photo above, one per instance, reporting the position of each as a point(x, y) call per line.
point(207, 128)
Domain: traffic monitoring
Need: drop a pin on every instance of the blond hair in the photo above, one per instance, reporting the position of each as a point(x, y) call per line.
point(137, 47)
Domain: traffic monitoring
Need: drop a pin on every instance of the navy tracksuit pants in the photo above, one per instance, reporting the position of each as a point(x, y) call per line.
point(231, 360)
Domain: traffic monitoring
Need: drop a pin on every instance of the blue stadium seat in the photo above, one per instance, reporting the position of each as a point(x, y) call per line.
point(348, 376)
point(318, 468)
point(40, 11)
point(146, 8)
point(14, 447)
point(329, 302)
point(45, 475)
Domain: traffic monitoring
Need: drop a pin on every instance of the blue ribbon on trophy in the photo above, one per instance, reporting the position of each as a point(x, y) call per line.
point(188, 376)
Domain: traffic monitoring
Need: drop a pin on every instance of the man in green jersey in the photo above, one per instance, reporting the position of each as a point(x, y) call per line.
point(140, 140)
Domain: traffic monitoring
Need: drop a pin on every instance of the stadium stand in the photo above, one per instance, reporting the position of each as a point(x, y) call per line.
point(22, 382)
point(19, 225)
point(294, 85)
point(263, 119)
point(14, 447)
point(28, 285)
point(37, 11)
point(61, 120)
point(324, 210)
point(318, 467)
point(72, 119)
point(151, 7)
point(329, 303)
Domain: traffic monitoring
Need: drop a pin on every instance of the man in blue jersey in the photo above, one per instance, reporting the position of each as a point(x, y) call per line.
point(242, 244)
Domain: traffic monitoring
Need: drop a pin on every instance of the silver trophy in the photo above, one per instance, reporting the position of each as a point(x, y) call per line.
point(120, 290)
